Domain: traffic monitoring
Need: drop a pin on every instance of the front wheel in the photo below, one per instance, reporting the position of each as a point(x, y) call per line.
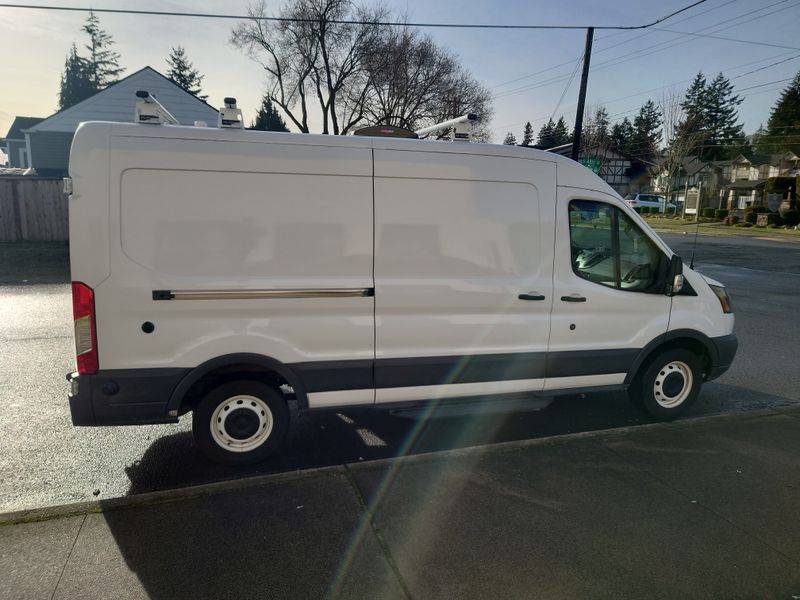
point(669, 384)
point(240, 422)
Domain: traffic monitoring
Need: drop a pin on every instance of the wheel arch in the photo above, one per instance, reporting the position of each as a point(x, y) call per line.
point(248, 362)
point(692, 339)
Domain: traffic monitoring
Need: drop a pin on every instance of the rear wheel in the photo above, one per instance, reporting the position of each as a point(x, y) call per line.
point(240, 422)
point(669, 384)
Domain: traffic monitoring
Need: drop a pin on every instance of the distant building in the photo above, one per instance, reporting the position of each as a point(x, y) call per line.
point(47, 141)
point(626, 174)
point(739, 183)
point(14, 143)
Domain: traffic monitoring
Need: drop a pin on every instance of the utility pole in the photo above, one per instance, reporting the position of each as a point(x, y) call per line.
point(587, 56)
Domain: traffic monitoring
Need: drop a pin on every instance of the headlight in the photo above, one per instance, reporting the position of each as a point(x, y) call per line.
point(723, 298)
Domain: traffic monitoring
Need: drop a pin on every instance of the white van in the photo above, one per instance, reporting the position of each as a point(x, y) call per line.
point(222, 272)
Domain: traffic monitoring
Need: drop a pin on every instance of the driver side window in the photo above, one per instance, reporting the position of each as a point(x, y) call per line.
point(609, 248)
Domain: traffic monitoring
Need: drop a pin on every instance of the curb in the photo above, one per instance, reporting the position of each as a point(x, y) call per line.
point(209, 489)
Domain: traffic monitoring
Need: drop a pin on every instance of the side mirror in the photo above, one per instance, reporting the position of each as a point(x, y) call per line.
point(674, 283)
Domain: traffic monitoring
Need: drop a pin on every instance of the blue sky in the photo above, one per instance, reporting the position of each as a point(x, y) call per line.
point(520, 67)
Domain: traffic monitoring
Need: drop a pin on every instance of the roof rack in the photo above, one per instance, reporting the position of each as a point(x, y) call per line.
point(150, 111)
point(230, 117)
point(461, 128)
point(386, 131)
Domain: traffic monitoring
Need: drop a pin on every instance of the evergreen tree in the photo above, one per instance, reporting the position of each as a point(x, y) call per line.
point(783, 127)
point(527, 134)
point(646, 131)
point(595, 135)
point(600, 125)
point(182, 72)
point(103, 62)
point(622, 134)
point(724, 135)
point(510, 139)
point(694, 110)
point(561, 133)
point(545, 139)
point(268, 118)
point(75, 82)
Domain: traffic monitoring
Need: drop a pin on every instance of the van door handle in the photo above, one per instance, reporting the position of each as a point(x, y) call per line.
point(531, 296)
point(573, 298)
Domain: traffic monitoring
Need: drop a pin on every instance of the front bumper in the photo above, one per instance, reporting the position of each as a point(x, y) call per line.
point(125, 397)
point(725, 347)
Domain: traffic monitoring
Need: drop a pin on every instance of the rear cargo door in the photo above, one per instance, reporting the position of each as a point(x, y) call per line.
point(463, 274)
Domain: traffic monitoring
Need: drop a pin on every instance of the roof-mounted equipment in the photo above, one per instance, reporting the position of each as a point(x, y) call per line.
point(230, 117)
point(150, 111)
point(461, 128)
point(386, 131)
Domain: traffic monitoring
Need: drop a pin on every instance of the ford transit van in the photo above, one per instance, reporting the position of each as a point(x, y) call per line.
point(223, 273)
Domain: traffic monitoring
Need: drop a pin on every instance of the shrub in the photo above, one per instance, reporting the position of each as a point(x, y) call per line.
point(751, 216)
point(708, 213)
point(791, 217)
point(669, 210)
point(720, 214)
point(745, 224)
point(760, 209)
point(731, 220)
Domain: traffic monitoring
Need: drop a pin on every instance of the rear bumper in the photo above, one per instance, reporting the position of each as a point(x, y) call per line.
point(725, 347)
point(124, 397)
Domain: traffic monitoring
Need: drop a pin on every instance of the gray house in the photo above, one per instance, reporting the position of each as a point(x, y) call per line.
point(14, 142)
point(47, 141)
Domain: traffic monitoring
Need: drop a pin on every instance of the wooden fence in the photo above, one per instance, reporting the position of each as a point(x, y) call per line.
point(33, 209)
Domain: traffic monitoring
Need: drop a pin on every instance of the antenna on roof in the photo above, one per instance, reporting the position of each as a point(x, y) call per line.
point(230, 117)
point(462, 128)
point(150, 111)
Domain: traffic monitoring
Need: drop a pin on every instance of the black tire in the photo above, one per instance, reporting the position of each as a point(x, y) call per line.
point(662, 388)
point(250, 424)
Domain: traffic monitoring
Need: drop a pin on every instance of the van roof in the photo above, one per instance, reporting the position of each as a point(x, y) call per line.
point(570, 173)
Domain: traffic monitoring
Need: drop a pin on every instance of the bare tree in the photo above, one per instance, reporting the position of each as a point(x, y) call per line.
point(680, 142)
point(358, 74)
point(314, 58)
point(423, 84)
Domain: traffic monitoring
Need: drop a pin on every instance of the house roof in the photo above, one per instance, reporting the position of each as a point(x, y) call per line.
point(746, 184)
point(20, 123)
point(117, 102)
point(693, 164)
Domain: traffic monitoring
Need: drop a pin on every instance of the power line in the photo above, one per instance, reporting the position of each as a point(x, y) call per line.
point(727, 39)
point(160, 13)
point(663, 46)
point(569, 62)
point(569, 83)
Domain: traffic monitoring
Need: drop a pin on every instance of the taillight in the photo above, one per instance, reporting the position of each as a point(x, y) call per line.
point(85, 327)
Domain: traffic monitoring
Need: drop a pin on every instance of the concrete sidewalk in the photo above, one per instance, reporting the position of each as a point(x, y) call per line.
point(704, 508)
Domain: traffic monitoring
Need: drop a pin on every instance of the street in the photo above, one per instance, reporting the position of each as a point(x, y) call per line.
point(44, 460)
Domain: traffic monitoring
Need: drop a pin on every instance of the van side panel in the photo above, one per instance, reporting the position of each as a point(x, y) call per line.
point(236, 217)
point(457, 240)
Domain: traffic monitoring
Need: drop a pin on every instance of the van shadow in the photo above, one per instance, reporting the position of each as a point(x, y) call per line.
point(286, 538)
point(324, 439)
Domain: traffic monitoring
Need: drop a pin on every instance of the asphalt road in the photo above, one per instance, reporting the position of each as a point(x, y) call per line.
point(44, 460)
